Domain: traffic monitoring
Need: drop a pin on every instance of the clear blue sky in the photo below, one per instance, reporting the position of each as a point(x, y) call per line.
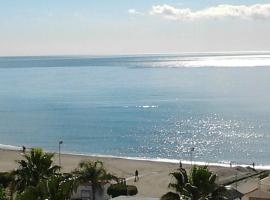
point(57, 27)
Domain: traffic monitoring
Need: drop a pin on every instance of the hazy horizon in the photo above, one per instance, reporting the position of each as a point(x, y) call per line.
point(129, 28)
point(149, 54)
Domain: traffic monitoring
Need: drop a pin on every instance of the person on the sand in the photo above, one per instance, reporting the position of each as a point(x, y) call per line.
point(23, 149)
point(136, 176)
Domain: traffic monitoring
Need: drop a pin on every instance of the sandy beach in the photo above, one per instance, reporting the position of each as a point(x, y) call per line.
point(154, 176)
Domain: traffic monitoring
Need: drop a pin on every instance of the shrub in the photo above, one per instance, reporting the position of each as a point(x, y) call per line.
point(2, 194)
point(5, 179)
point(170, 196)
point(132, 190)
point(122, 190)
point(117, 190)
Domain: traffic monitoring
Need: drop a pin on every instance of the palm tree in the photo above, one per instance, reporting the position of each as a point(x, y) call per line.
point(31, 193)
point(60, 187)
point(204, 184)
point(2, 193)
point(36, 166)
point(94, 173)
point(180, 180)
point(200, 184)
point(57, 187)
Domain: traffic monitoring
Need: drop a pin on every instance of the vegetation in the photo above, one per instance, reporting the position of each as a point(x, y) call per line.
point(60, 187)
point(132, 190)
point(5, 179)
point(170, 196)
point(57, 187)
point(34, 168)
point(37, 178)
point(122, 189)
point(200, 184)
point(94, 173)
point(2, 194)
point(117, 190)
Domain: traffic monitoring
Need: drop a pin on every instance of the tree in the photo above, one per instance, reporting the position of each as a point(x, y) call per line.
point(2, 193)
point(57, 187)
point(93, 173)
point(35, 167)
point(200, 184)
point(60, 187)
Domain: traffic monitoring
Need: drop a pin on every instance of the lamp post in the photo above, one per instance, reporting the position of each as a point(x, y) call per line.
point(60, 142)
point(191, 152)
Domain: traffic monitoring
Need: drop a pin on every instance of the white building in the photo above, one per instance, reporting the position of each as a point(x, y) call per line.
point(84, 192)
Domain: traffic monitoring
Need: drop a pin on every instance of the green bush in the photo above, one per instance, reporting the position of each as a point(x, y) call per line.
point(117, 190)
point(2, 194)
point(132, 190)
point(5, 179)
point(170, 196)
point(122, 190)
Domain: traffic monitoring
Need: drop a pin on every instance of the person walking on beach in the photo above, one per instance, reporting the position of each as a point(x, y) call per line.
point(23, 149)
point(136, 176)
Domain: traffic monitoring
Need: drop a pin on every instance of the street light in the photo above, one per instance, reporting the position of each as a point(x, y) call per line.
point(191, 151)
point(60, 142)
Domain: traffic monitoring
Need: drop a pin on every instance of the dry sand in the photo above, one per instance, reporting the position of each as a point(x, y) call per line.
point(154, 176)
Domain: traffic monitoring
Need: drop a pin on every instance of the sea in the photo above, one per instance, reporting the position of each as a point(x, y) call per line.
point(207, 107)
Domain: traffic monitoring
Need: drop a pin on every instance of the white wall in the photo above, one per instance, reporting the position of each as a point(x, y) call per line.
point(86, 192)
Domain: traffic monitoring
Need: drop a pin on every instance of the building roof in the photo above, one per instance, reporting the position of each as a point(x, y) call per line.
point(258, 194)
point(233, 193)
point(265, 181)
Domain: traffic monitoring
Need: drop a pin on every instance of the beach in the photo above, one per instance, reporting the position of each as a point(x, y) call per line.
point(154, 176)
point(152, 99)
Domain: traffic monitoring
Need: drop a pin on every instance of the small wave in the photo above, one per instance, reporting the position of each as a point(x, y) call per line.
point(147, 106)
point(10, 147)
point(142, 106)
point(174, 161)
point(164, 160)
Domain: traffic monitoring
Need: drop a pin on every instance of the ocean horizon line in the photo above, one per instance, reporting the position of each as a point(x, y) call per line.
point(155, 61)
point(144, 54)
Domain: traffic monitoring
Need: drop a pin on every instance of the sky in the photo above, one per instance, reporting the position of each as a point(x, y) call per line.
point(113, 27)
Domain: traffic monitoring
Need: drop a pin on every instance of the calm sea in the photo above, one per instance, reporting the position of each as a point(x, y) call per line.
point(140, 106)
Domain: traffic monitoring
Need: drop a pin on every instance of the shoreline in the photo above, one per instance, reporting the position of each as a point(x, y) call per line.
point(161, 160)
point(153, 174)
